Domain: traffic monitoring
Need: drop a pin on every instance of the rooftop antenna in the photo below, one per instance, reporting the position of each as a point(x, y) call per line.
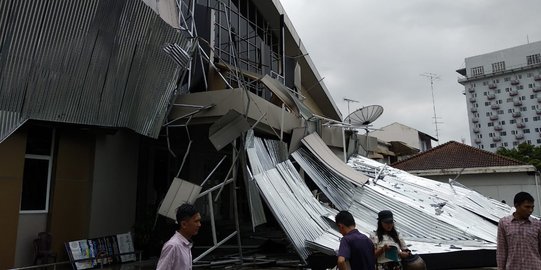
point(433, 77)
point(349, 101)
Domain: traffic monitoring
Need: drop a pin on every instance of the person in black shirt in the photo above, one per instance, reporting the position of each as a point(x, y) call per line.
point(356, 249)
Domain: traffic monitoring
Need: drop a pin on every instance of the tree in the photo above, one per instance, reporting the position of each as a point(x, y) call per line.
point(524, 152)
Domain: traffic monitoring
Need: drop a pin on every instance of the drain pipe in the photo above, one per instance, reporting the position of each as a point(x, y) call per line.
point(537, 190)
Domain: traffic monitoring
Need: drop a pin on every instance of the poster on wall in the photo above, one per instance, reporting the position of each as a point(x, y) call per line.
point(125, 245)
point(81, 250)
point(96, 252)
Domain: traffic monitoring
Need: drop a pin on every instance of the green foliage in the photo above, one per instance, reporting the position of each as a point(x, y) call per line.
point(524, 152)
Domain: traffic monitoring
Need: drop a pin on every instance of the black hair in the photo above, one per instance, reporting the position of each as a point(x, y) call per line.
point(345, 217)
point(185, 212)
point(392, 233)
point(522, 197)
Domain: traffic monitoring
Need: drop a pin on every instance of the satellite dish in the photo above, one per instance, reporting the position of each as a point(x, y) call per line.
point(364, 116)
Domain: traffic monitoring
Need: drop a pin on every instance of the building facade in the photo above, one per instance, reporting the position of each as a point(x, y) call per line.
point(503, 96)
point(408, 135)
point(99, 113)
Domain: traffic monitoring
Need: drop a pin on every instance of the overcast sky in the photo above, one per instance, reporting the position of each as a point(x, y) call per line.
point(374, 51)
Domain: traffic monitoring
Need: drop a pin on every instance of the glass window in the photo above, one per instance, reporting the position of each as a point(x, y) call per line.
point(37, 170)
point(499, 66)
point(533, 59)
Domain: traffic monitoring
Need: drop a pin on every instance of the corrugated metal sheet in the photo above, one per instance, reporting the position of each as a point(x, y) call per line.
point(306, 221)
point(298, 212)
point(91, 62)
point(448, 214)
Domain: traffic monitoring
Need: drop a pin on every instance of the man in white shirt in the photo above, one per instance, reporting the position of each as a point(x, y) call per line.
point(177, 252)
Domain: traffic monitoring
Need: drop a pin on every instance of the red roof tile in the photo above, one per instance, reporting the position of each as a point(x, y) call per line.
point(453, 155)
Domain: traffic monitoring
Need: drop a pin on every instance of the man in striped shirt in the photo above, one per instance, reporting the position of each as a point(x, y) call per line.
point(519, 237)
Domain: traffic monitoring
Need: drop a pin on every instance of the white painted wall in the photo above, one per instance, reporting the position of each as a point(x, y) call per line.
point(514, 57)
point(398, 132)
point(114, 188)
point(500, 186)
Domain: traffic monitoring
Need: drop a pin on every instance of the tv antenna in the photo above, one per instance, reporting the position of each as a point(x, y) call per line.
point(433, 77)
point(349, 101)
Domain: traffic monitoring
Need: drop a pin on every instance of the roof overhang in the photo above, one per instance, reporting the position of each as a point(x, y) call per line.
point(269, 115)
point(479, 170)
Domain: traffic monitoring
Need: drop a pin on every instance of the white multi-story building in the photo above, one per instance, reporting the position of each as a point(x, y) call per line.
point(503, 95)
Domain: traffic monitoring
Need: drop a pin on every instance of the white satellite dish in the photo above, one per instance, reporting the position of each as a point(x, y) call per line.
point(364, 116)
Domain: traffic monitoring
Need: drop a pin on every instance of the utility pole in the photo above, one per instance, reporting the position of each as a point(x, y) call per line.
point(433, 77)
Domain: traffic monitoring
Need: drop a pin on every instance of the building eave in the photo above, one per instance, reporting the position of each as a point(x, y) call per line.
point(479, 170)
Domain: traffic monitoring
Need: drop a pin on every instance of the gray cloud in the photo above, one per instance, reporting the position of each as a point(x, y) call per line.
point(374, 52)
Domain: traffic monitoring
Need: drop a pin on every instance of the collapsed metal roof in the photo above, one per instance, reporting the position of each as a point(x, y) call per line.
point(87, 62)
point(433, 217)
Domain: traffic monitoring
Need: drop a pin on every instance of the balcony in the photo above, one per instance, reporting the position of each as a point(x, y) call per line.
point(539, 99)
point(495, 106)
point(517, 102)
point(478, 141)
point(519, 136)
point(513, 93)
point(476, 130)
point(514, 82)
point(492, 86)
point(497, 138)
point(538, 112)
point(472, 100)
point(475, 120)
point(536, 89)
point(491, 96)
point(521, 125)
point(498, 128)
point(494, 117)
point(473, 109)
point(537, 77)
point(516, 114)
point(471, 90)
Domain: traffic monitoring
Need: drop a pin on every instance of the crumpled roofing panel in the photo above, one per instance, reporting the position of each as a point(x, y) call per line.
point(428, 214)
point(91, 62)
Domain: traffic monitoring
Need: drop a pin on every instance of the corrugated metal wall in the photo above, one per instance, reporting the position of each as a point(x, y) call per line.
point(92, 62)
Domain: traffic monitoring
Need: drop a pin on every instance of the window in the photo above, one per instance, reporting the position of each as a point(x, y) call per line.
point(476, 71)
point(515, 143)
point(503, 133)
point(498, 66)
point(525, 120)
point(536, 118)
point(492, 145)
point(490, 124)
point(527, 130)
point(505, 144)
point(500, 111)
point(513, 121)
point(506, 79)
point(533, 59)
point(538, 140)
point(513, 132)
point(37, 170)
